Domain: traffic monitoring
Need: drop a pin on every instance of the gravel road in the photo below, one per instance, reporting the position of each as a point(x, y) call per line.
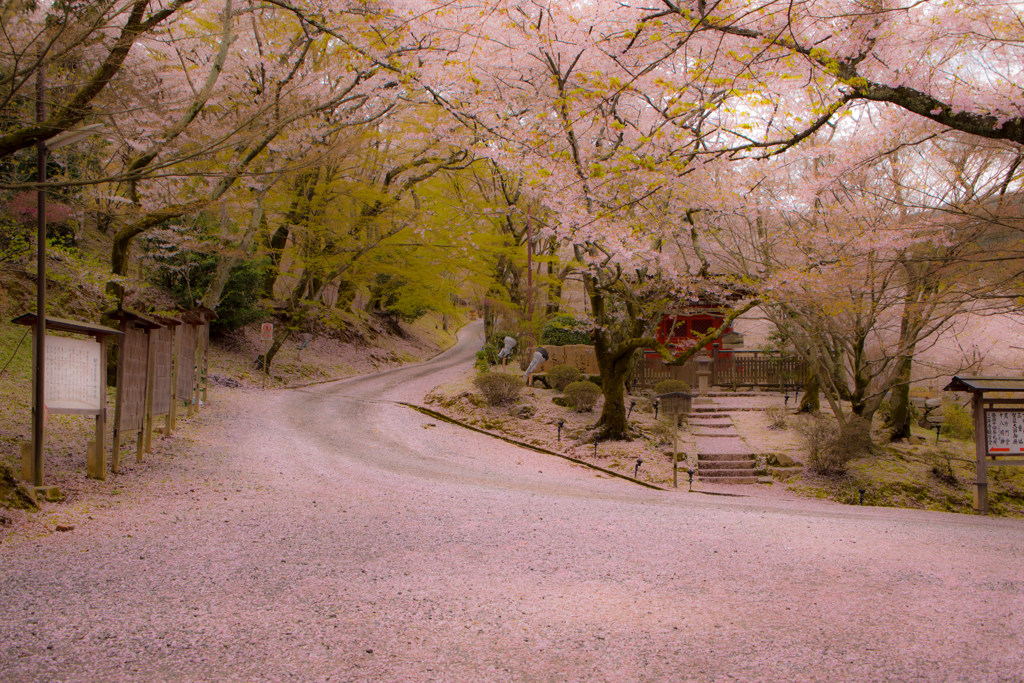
point(331, 534)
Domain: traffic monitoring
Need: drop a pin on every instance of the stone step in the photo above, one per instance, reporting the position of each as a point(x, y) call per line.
point(728, 480)
point(705, 466)
point(727, 422)
point(731, 445)
point(726, 410)
point(716, 433)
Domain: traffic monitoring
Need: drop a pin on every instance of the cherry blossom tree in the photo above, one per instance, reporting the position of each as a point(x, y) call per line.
point(86, 43)
point(599, 136)
point(956, 64)
point(865, 253)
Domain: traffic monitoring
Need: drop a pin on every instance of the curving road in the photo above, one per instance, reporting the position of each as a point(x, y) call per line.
point(330, 534)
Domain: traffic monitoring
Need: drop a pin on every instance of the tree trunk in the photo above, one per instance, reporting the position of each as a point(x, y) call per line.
point(346, 294)
point(265, 360)
point(811, 401)
point(276, 251)
point(898, 422)
point(613, 385)
point(118, 265)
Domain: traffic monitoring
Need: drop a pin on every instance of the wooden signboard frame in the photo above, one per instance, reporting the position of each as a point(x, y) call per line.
point(203, 360)
point(96, 460)
point(186, 341)
point(160, 392)
point(133, 378)
point(985, 456)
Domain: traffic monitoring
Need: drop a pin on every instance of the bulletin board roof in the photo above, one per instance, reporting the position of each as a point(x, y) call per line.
point(982, 385)
point(167, 322)
point(205, 312)
point(135, 318)
point(65, 325)
point(191, 318)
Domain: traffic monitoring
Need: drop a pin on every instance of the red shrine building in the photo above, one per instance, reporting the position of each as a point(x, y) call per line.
point(683, 324)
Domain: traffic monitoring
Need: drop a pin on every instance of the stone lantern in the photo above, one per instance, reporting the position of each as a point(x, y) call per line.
point(703, 361)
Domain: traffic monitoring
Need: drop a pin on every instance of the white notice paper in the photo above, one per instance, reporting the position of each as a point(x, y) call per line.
point(1005, 431)
point(73, 369)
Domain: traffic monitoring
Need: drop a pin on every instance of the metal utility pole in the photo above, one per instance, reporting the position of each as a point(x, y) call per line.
point(39, 357)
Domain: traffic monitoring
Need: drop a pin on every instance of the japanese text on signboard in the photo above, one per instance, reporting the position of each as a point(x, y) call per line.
point(72, 375)
point(1005, 431)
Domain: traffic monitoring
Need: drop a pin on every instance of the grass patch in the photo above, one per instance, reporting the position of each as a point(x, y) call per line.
point(922, 478)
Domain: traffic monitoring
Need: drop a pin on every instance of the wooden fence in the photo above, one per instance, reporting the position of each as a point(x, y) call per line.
point(579, 356)
point(726, 371)
point(650, 371)
point(730, 371)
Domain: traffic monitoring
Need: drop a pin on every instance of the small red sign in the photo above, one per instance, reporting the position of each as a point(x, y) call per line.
point(267, 331)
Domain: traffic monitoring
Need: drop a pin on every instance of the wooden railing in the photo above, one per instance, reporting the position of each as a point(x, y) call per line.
point(650, 371)
point(726, 371)
point(730, 371)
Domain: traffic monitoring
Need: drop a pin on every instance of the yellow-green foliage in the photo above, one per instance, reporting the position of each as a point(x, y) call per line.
point(671, 386)
point(958, 422)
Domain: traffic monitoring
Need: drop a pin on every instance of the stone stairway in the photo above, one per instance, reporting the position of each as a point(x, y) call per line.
point(722, 456)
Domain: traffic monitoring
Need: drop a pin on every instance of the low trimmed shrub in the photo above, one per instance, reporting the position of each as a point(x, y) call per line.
point(670, 386)
point(583, 395)
point(561, 376)
point(498, 388)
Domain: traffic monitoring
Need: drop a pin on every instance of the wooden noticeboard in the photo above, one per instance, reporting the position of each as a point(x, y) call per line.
point(1004, 432)
point(135, 357)
point(73, 383)
point(186, 361)
point(998, 426)
point(133, 381)
point(163, 344)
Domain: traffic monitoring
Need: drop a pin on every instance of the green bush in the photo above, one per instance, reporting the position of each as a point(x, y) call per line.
point(958, 423)
point(562, 330)
point(670, 386)
point(498, 388)
point(561, 376)
point(583, 395)
point(496, 343)
point(188, 274)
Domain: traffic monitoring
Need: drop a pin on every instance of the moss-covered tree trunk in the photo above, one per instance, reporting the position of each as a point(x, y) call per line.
point(614, 371)
point(810, 402)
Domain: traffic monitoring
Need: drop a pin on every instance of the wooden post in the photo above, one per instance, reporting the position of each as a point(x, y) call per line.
point(98, 457)
point(980, 455)
point(675, 453)
point(150, 389)
point(172, 415)
point(206, 359)
point(115, 441)
point(146, 397)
